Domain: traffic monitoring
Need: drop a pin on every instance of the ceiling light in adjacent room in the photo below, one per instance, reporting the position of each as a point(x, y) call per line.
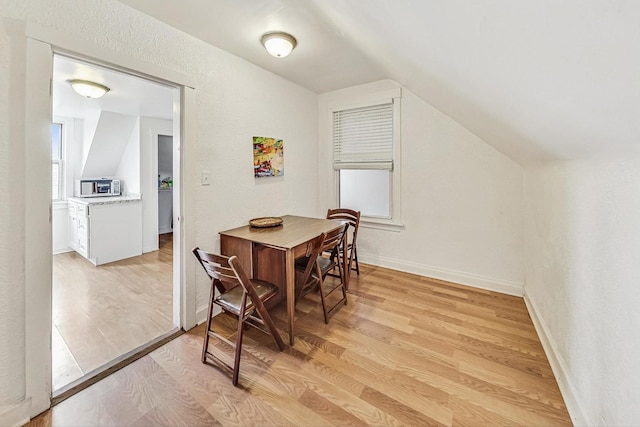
point(278, 44)
point(88, 89)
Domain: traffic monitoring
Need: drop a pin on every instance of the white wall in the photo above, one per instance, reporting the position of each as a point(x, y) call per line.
point(235, 100)
point(264, 105)
point(60, 228)
point(12, 224)
point(86, 133)
point(128, 161)
point(150, 128)
point(461, 200)
point(110, 140)
point(582, 234)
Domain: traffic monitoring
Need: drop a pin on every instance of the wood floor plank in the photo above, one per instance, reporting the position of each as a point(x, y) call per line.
point(334, 414)
point(419, 395)
point(404, 413)
point(467, 414)
point(65, 367)
point(103, 312)
point(518, 412)
point(406, 350)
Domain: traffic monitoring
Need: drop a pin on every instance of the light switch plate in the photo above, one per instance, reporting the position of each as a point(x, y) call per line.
point(205, 178)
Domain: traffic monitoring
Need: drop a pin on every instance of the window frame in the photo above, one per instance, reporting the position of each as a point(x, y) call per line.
point(60, 162)
point(394, 221)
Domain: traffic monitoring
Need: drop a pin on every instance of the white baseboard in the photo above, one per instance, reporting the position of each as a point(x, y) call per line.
point(148, 249)
point(202, 311)
point(61, 250)
point(558, 366)
point(201, 314)
point(164, 230)
point(463, 278)
point(15, 415)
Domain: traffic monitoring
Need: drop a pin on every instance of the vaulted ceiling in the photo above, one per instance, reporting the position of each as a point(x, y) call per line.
point(536, 79)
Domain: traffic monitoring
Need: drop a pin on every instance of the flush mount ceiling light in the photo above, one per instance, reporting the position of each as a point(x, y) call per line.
point(278, 44)
point(88, 89)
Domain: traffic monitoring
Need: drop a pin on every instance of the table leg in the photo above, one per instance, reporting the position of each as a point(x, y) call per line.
point(291, 291)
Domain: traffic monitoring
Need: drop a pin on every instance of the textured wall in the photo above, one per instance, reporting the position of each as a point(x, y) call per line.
point(12, 222)
point(235, 100)
point(582, 233)
point(461, 200)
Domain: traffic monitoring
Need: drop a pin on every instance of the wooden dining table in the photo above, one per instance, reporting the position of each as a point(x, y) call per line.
point(270, 253)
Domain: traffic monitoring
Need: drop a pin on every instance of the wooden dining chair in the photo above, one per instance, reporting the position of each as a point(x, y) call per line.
point(352, 218)
point(239, 297)
point(315, 268)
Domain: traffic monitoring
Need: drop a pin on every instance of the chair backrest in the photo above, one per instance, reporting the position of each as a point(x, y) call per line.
point(334, 239)
point(218, 269)
point(226, 273)
point(350, 216)
point(314, 248)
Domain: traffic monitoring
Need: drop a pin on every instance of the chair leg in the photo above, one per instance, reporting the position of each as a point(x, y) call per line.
point(355, 256)
point(330, 311)
point(266, 319)
point(236, 362)
point(205, 344)
point(324, 307)
point(344, 293)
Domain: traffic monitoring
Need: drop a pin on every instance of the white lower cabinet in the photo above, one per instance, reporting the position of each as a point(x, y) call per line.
point(105, 232)
point(78, 228)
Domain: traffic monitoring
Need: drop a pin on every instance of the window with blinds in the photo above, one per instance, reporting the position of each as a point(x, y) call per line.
point(364, 141)
point(363, 137)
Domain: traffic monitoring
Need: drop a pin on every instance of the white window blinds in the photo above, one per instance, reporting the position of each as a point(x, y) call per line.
point(363, 138)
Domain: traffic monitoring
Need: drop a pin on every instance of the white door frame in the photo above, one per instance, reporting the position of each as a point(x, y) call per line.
point(41, 43)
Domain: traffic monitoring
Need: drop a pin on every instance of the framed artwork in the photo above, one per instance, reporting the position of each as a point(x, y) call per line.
point(268, 157)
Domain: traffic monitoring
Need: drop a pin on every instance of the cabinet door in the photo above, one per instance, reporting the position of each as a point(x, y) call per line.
point(83, 231)
point(73, 226)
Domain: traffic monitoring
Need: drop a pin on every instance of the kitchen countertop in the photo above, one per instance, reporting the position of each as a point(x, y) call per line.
point(106, 200)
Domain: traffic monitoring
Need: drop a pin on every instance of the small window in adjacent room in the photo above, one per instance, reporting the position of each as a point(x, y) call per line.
point(366, 160)
point(57, 171)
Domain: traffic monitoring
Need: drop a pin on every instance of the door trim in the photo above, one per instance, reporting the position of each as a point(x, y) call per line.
point(42, 43)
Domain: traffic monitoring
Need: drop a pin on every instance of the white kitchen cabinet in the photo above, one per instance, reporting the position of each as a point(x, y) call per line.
point(78, 228)
point(83, 230)
point(105, 230)
point(72, 225)
point(116, 231)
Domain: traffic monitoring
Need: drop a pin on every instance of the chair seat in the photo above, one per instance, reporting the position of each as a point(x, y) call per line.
point(326, 264)
point(231, 300)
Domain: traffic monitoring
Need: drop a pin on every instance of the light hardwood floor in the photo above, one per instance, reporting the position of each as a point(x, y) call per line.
point(100, 313)
point(406, 350)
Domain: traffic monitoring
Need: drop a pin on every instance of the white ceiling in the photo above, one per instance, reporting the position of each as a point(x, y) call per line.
point(128, 95)
point(537, 79)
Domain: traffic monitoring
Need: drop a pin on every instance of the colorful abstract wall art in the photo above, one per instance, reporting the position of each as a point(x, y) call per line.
point(268, 157)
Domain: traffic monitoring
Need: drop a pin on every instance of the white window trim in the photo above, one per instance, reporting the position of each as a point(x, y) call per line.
point(394, 223)
point(60, 163)
point(61, 196)
point(68, 137)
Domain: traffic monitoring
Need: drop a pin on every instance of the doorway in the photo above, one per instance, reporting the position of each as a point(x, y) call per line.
point(41, 44)
point(106, 312)
point(165, 185)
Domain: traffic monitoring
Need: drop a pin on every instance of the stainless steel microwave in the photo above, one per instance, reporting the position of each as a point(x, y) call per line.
point(96, 187)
